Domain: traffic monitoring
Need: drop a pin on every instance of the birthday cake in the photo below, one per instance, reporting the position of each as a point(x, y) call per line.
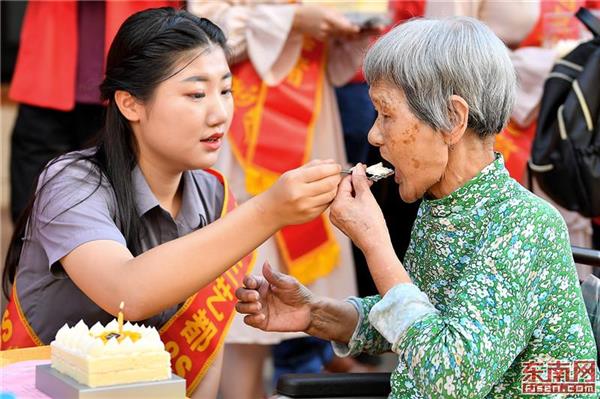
point(101, 356)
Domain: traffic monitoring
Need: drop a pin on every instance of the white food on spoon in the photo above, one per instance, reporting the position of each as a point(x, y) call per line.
point(379, 170)
point(374, 172)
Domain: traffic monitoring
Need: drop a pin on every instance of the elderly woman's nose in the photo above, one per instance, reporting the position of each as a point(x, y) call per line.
point(375, 137)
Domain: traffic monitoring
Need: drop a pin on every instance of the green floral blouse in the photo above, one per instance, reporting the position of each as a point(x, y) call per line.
point(497, 287)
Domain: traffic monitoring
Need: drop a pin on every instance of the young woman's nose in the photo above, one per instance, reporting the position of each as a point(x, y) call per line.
point(218, 111)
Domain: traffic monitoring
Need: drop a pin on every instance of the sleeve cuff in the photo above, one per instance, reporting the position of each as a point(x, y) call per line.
point(401, 306)
point(57, 253)
point(353, 346)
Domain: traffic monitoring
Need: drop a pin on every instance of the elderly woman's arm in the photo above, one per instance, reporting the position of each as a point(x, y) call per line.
point(356, 213)
point(278, 302)
point(464, 349)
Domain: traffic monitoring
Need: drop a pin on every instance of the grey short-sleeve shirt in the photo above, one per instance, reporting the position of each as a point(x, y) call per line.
point(73, 209)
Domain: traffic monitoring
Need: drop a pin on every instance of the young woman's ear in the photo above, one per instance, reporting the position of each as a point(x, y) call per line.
point(460, 116)
point(128, 105)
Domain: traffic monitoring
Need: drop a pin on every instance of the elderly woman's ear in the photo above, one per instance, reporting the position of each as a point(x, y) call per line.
point(459, 115)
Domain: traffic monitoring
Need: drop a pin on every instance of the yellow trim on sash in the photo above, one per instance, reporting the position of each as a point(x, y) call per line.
point(259, 179)
point(256, 118)
point(318, 106)
point(315, 264)
point(20, 314)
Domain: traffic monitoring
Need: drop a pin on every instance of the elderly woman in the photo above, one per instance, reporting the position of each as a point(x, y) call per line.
point(488, 282)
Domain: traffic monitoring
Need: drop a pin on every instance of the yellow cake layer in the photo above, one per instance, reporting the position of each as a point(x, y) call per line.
point(112, 377)
point(103, 364)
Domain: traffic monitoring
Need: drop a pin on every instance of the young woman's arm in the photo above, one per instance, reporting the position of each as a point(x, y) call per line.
point(168, 274)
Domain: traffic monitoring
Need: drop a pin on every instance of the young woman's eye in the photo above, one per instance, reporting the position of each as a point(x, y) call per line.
point(197, 96)
point(227, 92)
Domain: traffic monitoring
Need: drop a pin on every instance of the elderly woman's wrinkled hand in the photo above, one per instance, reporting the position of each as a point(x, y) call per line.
point(356, 212)
point(275, 302)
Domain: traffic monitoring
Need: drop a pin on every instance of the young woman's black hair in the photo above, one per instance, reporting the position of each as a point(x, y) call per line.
point(143, 54)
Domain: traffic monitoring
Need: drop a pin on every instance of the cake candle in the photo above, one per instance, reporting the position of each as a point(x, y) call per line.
point(120, 318)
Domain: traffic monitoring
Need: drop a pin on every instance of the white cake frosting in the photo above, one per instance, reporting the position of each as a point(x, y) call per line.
point(86, 356)
point(379, 170)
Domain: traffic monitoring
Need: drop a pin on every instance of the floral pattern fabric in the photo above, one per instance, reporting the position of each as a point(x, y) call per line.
point(495, 262)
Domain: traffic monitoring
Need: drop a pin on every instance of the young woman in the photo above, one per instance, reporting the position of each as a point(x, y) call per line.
point(138, 219)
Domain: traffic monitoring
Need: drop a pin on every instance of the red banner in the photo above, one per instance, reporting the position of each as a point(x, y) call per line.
point(272, 132)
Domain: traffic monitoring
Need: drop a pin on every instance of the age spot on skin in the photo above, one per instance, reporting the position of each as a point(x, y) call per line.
point(410, 138)
point(411, 134)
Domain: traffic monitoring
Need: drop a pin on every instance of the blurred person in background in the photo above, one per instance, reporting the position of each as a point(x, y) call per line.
point(59, 68)
point(287, 57)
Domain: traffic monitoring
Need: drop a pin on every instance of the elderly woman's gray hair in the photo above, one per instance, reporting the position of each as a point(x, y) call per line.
point(430, 60)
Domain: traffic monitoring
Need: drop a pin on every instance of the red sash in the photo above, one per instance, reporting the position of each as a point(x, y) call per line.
point(271, 133)
point(193, 336)
point(16, 331)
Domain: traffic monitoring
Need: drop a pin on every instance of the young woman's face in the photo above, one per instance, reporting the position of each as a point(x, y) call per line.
point(183, 125)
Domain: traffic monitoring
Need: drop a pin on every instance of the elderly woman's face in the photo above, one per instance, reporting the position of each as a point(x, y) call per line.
point(417, 151)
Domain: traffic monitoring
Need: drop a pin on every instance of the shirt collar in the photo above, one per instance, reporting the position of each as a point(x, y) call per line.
point(192, 212)
point(476, 192)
